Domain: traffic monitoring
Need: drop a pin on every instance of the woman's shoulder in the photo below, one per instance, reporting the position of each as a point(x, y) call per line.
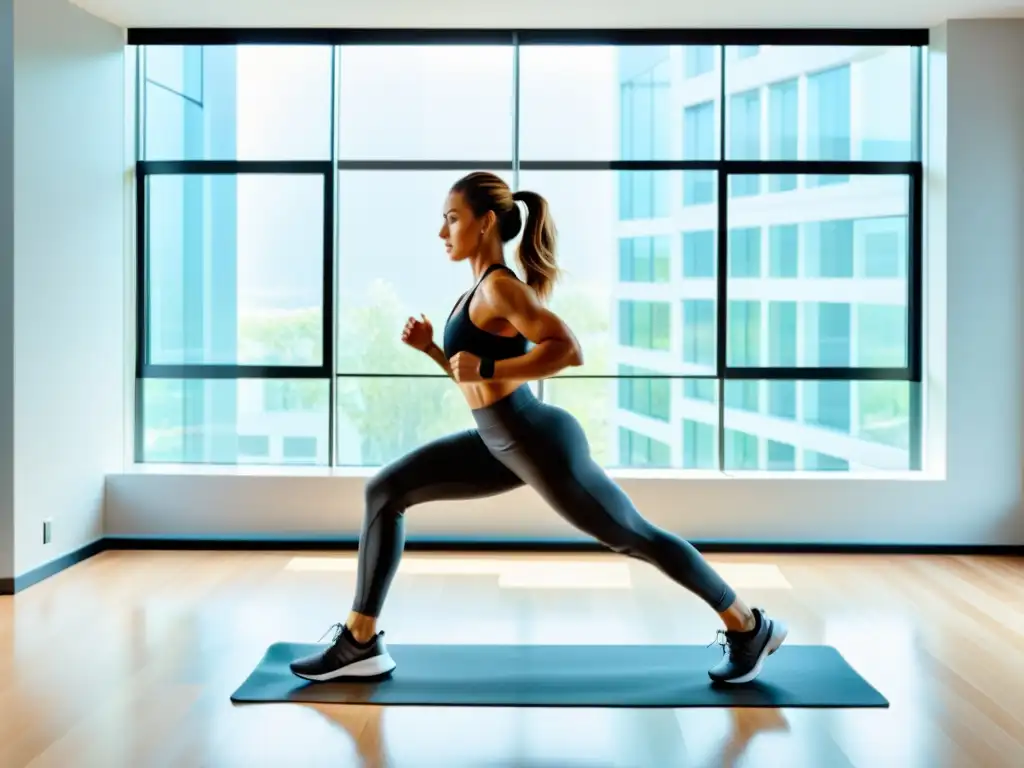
point(505, 291)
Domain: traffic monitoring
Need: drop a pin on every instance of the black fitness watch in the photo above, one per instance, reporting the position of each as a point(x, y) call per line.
point(486, 368)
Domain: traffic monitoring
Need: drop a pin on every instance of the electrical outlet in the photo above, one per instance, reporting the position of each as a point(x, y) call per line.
point(47, 531)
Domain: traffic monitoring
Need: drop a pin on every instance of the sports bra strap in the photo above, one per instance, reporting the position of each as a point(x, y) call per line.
point(483, 277)
point(492, 268)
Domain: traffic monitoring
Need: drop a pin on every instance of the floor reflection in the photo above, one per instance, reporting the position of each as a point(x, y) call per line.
point(397, 737)
point(130, 659)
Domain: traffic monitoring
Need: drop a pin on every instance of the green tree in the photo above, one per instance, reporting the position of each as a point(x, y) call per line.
point(391, 411)
point(885, 413)
point(290, 337)
point(586, 310)
point(179, 416)
point(391, 414)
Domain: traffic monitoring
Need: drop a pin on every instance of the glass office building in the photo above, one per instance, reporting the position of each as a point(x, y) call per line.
point(816, 267)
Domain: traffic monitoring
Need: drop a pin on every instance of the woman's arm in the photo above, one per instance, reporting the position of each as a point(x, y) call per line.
point(436, 354)
point(555, 346)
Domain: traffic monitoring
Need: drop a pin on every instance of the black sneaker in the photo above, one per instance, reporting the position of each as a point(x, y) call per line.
point(346, 659)
point(745, 652)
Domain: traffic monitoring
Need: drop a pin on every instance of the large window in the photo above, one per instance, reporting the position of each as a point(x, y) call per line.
point(739, 230)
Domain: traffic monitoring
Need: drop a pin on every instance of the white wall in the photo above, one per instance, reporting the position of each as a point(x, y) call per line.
point(6, 289)
point(971, 493)
point(69, 279)
point(985, 244)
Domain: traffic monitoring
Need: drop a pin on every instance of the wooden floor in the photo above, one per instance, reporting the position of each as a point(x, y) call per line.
point(129, 659)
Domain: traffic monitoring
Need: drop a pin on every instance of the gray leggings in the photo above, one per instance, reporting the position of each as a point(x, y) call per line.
point(519, 440)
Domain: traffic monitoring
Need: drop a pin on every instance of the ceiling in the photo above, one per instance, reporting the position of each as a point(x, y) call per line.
point(545, 13)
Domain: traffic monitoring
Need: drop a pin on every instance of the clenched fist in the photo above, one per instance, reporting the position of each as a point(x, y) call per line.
point(465, 367)
point(418, 334)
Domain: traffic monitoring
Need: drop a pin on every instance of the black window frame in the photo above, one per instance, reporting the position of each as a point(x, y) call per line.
point(911, 169)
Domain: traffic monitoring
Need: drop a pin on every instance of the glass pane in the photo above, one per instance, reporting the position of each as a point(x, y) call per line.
point(400, 102)
point(699, 333)
point(235, 269)
point(645, 259)
point(822, 280)
point(618, 103)
point(818, 425)
point(821, 103)
point(176, 68)
point(381, 418)
point(635, 421)
point(700, 254)
point(174, 124)
point(623, 283)
point(699, 199)
point(246, 102)
point(229, 421)
point(387, 272)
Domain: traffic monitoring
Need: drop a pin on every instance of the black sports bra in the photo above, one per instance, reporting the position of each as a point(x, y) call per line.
point(461, 335)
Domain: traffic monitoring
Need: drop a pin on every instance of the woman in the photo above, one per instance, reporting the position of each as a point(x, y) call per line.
point(518, 440)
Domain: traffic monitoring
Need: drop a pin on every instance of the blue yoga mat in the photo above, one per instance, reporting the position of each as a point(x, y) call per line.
point(668, 676)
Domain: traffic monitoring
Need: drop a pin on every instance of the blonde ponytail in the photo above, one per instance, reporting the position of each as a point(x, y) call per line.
point(536, 252)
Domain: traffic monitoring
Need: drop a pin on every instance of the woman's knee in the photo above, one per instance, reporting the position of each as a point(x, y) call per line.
point(635, 538)
point(621, 540)
point(383, 495)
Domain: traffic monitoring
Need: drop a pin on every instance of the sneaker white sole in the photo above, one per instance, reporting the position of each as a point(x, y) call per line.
point(778, 637)
point(378, 666)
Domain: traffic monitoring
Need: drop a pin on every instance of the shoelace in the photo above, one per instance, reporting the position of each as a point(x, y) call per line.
point(731, 644)
point(337, 629)
point(720, 638)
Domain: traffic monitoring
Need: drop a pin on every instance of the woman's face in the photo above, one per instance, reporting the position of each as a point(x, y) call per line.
point(462, 232)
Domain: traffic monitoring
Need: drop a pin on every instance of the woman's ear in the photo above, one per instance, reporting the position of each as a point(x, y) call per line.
point(489, 219)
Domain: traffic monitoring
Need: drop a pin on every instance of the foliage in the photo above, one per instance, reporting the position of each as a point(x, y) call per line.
point(380, 406)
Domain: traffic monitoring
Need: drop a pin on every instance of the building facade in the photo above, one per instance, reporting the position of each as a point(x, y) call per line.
point(817, 265)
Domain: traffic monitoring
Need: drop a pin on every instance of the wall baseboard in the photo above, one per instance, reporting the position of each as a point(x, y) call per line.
point(454, 544)
point(52, 568)
point(420, 544)
point(347, 543)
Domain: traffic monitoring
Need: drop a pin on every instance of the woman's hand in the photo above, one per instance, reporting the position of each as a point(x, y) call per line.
point(465, 367)
point(418, 334)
